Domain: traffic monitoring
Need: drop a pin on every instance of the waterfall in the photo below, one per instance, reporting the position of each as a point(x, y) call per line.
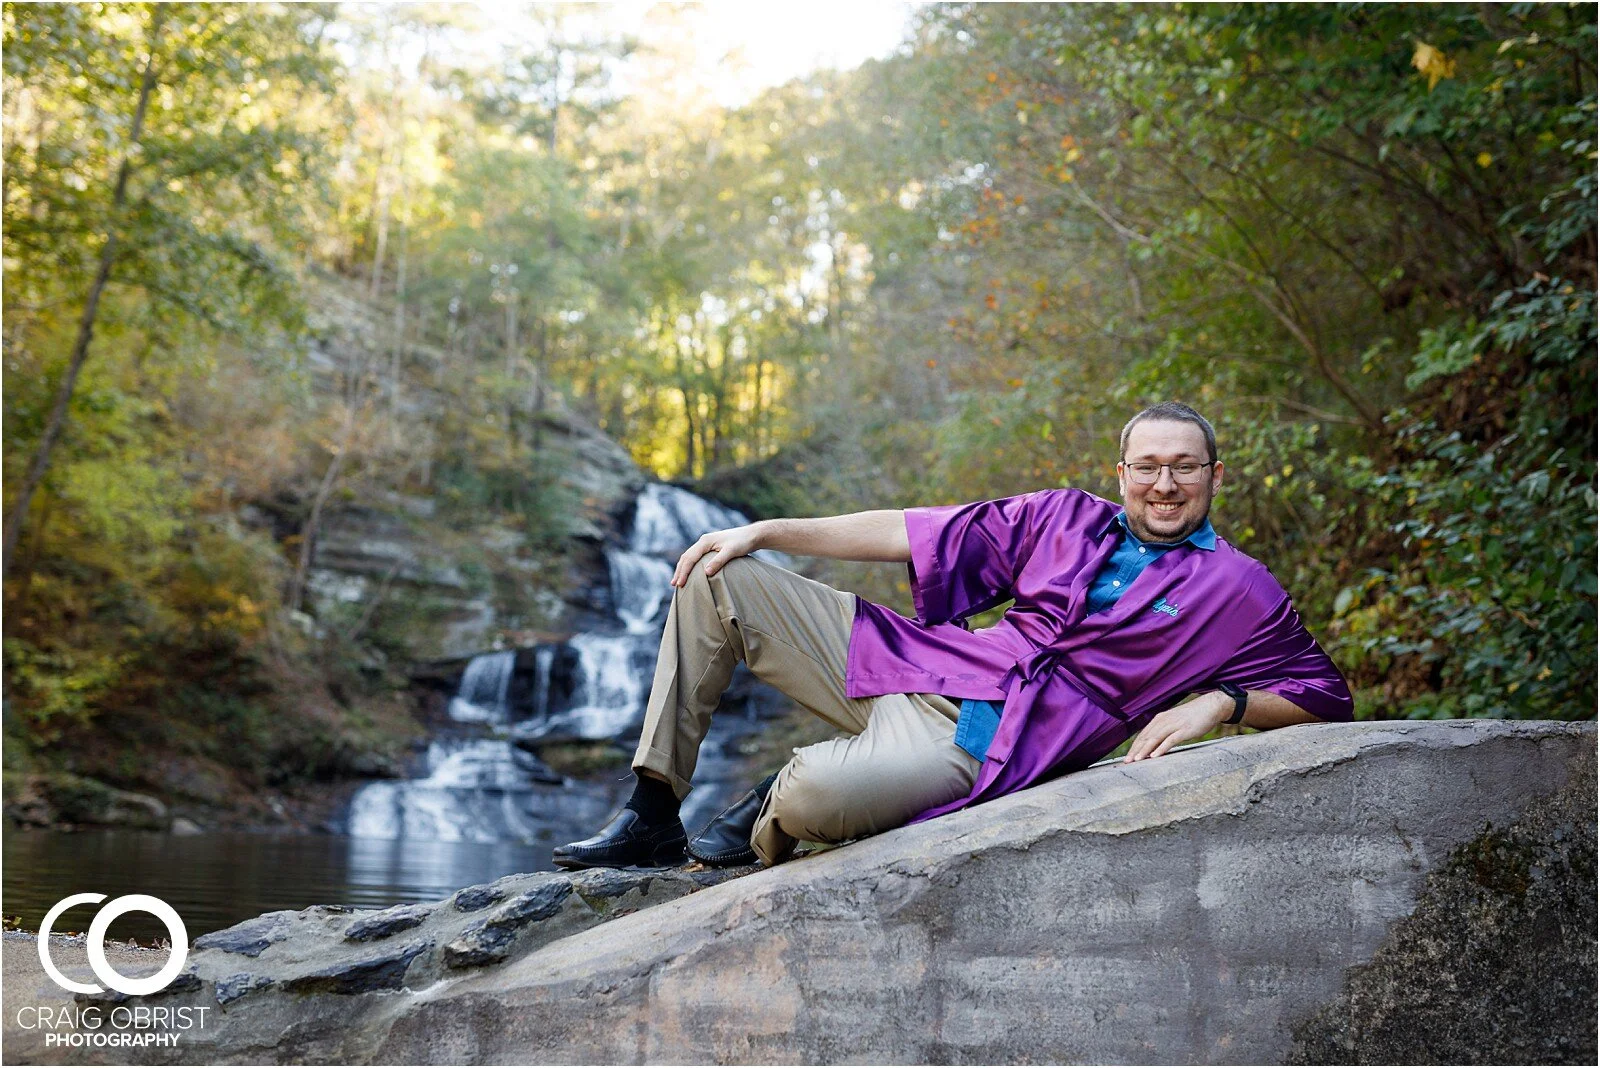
point(476, 790)
point(612, 687)
point(485, 685)
point(668, 519)
point(639, 586)
point(544, 658)
point(489, 789)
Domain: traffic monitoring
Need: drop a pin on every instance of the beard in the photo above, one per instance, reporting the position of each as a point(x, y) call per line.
point(1142, 531)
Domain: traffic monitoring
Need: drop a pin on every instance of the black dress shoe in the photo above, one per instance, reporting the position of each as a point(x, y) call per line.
point(626, 842)
point(725, 843)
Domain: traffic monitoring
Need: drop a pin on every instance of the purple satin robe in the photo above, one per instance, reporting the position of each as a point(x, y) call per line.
point(1075, 686)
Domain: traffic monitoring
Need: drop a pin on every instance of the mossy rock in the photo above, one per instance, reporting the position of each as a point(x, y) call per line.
point(88, 802)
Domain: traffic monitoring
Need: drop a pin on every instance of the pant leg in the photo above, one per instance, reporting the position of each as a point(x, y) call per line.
point(792, 632)
point(905, 762)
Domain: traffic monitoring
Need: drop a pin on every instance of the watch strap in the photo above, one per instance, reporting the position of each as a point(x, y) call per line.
point(1240, 700)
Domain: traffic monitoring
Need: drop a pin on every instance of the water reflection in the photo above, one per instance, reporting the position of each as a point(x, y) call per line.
point(217, 880)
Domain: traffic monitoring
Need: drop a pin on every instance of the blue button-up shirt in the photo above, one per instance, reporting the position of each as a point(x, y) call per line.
point(976, 726)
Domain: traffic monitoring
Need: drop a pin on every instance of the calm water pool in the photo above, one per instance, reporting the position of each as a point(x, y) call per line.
point(216, 880)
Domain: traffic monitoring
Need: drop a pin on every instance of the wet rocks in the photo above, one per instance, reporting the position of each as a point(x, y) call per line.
point(477, 898)
point(385, 971)
point(490, 939)
point(249, 938)
point(387, 922)
point(482, 944)
point(600, 884)
point(60, 799)
point(534, 905)
point(234, 987)
point(186, 983)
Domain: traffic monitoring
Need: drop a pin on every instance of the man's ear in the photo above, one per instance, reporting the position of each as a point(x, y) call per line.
point(1216, 476)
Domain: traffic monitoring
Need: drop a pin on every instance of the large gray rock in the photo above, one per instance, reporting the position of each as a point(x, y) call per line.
point(1191, 909)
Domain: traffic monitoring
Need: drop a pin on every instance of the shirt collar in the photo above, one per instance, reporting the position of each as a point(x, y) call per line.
point(1203, 538)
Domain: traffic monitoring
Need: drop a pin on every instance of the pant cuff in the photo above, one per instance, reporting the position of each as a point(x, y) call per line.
point(661, 763)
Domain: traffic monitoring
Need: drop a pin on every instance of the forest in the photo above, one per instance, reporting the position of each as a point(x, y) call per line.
point(1360, 238)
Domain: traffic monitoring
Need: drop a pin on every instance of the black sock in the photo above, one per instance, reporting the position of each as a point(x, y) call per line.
point(764, 787)
point(654, 801)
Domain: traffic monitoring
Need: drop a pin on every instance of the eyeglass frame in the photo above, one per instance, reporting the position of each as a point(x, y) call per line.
point(1128, 466)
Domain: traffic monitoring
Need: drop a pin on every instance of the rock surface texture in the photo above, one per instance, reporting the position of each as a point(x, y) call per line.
point(1497, 963)
point(1192, 909)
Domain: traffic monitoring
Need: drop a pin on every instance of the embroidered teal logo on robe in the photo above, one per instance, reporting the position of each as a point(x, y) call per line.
point(1164, 606)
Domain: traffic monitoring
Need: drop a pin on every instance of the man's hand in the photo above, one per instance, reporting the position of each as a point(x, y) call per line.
point(1183, 723)
point(727, 544)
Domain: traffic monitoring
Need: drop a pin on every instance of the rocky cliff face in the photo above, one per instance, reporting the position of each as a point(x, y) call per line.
point(463, 590)
point(459, 585)
point(1192, 909)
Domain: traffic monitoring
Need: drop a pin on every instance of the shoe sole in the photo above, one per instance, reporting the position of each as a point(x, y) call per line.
point(737, 860)
point(657, 860)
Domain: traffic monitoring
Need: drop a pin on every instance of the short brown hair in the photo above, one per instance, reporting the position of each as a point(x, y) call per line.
point(1174, 412)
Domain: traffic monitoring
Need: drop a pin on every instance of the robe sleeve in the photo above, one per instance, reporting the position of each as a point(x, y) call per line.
point(965, 557)
point(1282, 657)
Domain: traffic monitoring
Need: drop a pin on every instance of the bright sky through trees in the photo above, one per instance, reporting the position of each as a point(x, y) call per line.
point(744, 46)
point(765, 44)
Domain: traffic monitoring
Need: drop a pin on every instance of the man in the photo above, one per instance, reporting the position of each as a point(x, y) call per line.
point(1118, 615)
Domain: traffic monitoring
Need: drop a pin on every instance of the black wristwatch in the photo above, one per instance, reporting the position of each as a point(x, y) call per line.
point(1240, 699)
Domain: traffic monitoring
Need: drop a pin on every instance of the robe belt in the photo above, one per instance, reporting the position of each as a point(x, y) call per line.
point(1044, 660)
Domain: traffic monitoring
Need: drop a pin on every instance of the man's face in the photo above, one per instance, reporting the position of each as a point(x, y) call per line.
point(1166, 511)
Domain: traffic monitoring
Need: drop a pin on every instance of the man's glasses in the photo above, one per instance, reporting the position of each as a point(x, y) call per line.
point(1185, 474)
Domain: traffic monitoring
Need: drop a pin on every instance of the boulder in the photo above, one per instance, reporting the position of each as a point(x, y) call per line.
point(1198, 908)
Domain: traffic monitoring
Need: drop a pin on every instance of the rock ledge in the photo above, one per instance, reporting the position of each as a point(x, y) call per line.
point(1193, 909)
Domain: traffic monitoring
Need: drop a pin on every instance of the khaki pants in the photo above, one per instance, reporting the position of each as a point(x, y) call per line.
point(899, 757)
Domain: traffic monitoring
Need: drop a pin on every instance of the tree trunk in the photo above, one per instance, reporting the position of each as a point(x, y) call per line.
point(330, 478)
point(80, 349)
point(722, 415)
point(512, 344)
point(758, 418)
point(680, 371)
point(380, 211)
point(380, 197)
point(24, 578)
point(398, 328)
point(377, 599)
point(536, 398)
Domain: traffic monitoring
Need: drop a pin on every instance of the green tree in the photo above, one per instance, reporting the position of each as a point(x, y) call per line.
point(138, 112)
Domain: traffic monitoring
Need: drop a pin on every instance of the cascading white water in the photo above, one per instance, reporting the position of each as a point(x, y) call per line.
point(462, 798)
point(485, 685)
point(668, 519)
point(611, 693)
point(639, 586)
point(480, 790)
point(544, 659)
point(476, 790)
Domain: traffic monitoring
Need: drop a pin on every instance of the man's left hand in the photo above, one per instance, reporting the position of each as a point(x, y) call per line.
point(1184, 723)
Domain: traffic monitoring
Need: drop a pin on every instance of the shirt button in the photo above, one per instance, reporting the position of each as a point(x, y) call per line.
point(1141, 548)
point(1114, 582)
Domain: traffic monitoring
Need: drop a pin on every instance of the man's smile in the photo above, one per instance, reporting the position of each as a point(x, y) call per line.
point(1166, 510)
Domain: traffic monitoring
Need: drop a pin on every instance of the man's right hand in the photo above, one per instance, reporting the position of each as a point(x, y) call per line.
point(726, 544)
